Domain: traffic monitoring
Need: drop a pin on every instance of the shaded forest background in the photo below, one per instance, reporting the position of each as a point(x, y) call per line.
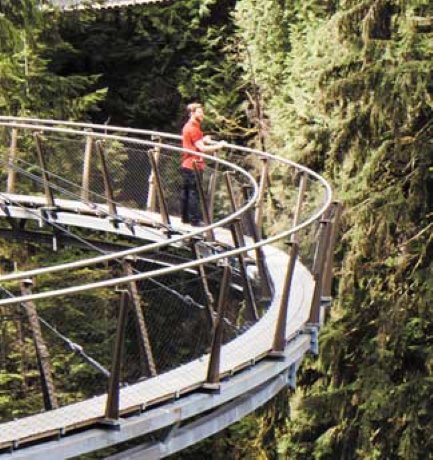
point(344, 87)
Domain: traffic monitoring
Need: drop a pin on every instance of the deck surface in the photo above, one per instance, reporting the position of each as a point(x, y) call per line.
point(235, 355)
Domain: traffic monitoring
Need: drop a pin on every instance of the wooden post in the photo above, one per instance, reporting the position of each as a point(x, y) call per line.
point(151, 195)
point(266, 283)
point(113, 400)
point(108, 188)
point(329, 264)
point(212, 379)
point(248, 290)
point(299, 203)
point(233, 205)
point(39, 150)
point(141, 324)
point(85, 181)
point(10, 187)
point(318, 266)
point(261, 196)
point(212, 190)
point(280, 329)
point(42, 355)
point(203, 202)
point(203, 278)
point(163, 209)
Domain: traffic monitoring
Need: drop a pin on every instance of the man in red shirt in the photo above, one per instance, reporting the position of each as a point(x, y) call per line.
point(193, 140)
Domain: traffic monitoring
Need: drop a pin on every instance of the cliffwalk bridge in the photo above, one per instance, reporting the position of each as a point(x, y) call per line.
point(222, 315)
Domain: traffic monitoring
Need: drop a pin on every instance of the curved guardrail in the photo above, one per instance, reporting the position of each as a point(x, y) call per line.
point(89, 200)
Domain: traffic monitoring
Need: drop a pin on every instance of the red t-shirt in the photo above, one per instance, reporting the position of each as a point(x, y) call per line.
point(191, 133)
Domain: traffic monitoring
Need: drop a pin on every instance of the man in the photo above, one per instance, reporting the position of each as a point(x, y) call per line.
point(193, 139)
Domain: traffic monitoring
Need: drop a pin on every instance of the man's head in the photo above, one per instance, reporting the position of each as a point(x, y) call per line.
point(195, 111)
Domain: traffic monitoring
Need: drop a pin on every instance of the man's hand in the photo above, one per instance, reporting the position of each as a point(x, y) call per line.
point(208, 139)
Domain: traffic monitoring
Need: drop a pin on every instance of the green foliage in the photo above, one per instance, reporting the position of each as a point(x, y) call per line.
point(355, 101)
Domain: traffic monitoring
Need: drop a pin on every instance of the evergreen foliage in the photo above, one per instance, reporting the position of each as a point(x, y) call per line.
point(355, 102)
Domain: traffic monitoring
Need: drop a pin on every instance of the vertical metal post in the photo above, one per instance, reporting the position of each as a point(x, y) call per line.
point(212, 379)
point(151, 195)
point(212, 191)
point(42, 355)
point(108, 188)
point(141, 324)
point(10, 187)
point(112, 405)
point(48, 191)
point(234, 206)
point(266, 283)
point(318, 265)
point(163, 209)
point(204, 283)
point(85, 181)
point(248, 290)
point(203, 202)
point(329, 264)
point(261, 196)
point(280, 328)
point(299, 203)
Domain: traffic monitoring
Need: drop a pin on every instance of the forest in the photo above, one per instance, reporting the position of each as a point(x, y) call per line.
point(344, 87)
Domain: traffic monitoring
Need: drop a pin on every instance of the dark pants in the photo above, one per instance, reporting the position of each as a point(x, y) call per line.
point(190, 200)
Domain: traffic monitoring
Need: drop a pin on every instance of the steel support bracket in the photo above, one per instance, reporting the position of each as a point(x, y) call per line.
point(313, 330)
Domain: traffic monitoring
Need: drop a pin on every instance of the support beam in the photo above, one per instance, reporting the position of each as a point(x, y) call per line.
point(10, 187)
point(203, 279)
point(87, 161)
point(261, 195)
point(248, 290)
point(113, 403)
point(42, 355)
point(108, 188)
point(265, 278)
point(163, 209)
point(329, 264)
point(203, 202)
point(143, 335)
point(279, 343)
point(152, 191)
point(299, 204)
point(318, 266)
point(213, 378)
point(41, 158)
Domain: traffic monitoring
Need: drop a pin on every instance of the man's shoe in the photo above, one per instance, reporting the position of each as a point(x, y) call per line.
point(198, 223)
point(185, 220)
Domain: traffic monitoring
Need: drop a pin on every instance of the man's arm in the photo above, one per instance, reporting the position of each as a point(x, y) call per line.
point(201, 145)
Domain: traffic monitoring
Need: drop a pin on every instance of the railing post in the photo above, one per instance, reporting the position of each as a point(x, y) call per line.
point(212, 379)
point(233, 205)
point(261, 196)
point(10, 187)
point(151, 195)
point(212, 190)
point(163, 209)
point(42, 355)
point(299, 203)
point(266, 283)
point(248, 290)
point(108, 188)
point(203, 202)
point(144, 339)
point(85, 181)
point(48, 191)
point(280, 328)
point(113, 400)
point(203, 278)
point(327, 276)
point(318, 266)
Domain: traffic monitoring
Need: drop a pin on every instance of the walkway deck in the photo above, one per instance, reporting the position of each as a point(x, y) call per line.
point(251, 346)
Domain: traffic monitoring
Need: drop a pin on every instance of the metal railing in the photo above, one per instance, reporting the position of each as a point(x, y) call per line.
point(126, 182)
